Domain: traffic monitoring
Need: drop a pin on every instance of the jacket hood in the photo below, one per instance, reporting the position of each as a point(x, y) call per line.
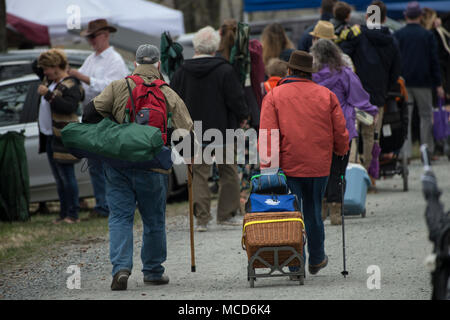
point(201, 67)
point(326, 77)
point(379, 37)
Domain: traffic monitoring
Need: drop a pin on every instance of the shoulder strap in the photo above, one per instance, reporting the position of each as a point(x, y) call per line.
point(138, 80)
point(131, 98)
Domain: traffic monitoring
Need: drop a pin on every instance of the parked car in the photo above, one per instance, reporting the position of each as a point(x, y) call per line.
point(294, 28)
point(19, 103)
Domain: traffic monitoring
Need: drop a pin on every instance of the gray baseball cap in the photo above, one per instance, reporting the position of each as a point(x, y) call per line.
point(147, 54)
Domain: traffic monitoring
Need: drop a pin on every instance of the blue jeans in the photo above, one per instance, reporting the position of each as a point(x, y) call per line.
point(125, 188)
point(97, 173)
point(66, 184)
point(311, 191)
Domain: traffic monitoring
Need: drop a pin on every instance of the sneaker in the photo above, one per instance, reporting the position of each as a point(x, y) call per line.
point(313, 269)
point(156, 282)
point(233, 221)
point(120, 280)
point(71, 220)
point(201, 228)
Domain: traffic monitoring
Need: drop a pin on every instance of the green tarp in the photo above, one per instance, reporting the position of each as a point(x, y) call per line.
point(171, 55)
point(14, 179)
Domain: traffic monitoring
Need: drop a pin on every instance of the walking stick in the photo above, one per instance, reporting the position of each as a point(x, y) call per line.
point(344, 273)
point(191, 215)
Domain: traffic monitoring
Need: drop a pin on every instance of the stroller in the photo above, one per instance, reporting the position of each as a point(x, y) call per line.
point(394, 134)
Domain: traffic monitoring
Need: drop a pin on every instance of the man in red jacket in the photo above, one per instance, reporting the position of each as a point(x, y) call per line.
point(311, 126)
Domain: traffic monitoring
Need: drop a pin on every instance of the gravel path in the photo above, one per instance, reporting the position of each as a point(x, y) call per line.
point(392, 237)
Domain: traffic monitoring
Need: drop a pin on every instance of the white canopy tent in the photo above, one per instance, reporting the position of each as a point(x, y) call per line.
point(139, 15)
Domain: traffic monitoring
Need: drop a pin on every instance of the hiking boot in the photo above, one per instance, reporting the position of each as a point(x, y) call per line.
point(335, 213)
point(156, 282)
point(233, 221)
point(325, 208)
point(313, 269)
point(120, 280)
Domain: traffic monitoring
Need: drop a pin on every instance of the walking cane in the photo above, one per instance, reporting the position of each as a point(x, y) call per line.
point(344, 273)
point(191, 215)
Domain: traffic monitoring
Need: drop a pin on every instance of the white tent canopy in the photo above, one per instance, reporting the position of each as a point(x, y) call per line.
point(139, 15)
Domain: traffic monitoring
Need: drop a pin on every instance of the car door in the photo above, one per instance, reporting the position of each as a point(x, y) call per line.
point(19, 104)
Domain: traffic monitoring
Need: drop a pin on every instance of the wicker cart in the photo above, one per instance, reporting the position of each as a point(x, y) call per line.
point(274, 240)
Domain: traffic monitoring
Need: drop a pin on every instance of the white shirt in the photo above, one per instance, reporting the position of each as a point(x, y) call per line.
point(102, 69)
point(45, 114)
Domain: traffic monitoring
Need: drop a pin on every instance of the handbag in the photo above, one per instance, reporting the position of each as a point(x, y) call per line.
point(441, 129)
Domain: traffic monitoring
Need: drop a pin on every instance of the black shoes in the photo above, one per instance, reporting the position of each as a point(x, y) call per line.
point(120, 280)
point(313, 269)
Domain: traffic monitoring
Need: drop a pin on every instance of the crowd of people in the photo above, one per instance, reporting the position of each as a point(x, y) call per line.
point(310, 94)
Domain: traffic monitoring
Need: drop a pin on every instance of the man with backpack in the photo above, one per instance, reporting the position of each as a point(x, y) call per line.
point(147, 187)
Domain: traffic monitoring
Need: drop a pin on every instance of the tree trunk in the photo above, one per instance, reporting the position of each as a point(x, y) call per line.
point(199, 13)
point(3, 34)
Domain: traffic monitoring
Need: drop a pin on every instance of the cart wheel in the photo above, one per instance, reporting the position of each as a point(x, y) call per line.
point(252, 282)
point(363, 214)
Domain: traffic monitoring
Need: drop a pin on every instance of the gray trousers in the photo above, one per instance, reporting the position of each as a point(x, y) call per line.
point(423, 97)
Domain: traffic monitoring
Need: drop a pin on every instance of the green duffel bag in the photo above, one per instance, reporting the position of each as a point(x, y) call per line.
point(128, 141)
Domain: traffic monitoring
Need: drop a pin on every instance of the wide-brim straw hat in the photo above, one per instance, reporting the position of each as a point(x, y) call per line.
point(324, 30)
point(301, 60)
point(97, 25)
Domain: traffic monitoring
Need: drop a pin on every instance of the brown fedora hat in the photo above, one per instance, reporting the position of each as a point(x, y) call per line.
point(324, 30)
point(97, 25)
point(301, 60)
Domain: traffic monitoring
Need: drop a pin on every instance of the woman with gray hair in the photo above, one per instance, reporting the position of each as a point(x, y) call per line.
point(334, 74)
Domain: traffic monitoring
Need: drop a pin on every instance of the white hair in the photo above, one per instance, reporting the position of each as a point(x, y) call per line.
point(206, 41)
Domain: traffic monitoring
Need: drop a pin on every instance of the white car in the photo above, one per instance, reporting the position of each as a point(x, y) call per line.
point(19, 102)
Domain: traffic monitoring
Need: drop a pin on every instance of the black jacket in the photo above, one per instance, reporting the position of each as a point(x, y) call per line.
point(212, 93)
point(420, 63)
point(376, 57)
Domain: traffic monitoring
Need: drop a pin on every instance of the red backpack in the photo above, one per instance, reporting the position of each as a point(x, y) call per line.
point(149, 103)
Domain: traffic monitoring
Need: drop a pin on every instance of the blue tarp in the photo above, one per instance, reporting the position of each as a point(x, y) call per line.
point(271, 5)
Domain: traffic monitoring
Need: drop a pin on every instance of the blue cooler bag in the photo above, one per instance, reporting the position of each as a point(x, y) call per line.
point(357, 183)
point(271, 203)
point(269, 183)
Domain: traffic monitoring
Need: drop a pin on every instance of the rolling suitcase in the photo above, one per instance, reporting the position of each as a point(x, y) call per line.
point(357, 184)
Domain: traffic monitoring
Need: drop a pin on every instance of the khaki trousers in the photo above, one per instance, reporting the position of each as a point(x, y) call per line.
point(229, 192)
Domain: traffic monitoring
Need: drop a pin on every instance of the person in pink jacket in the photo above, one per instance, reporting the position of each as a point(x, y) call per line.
point(301, 125)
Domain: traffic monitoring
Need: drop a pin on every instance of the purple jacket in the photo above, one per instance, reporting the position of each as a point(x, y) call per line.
point(346, 85)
